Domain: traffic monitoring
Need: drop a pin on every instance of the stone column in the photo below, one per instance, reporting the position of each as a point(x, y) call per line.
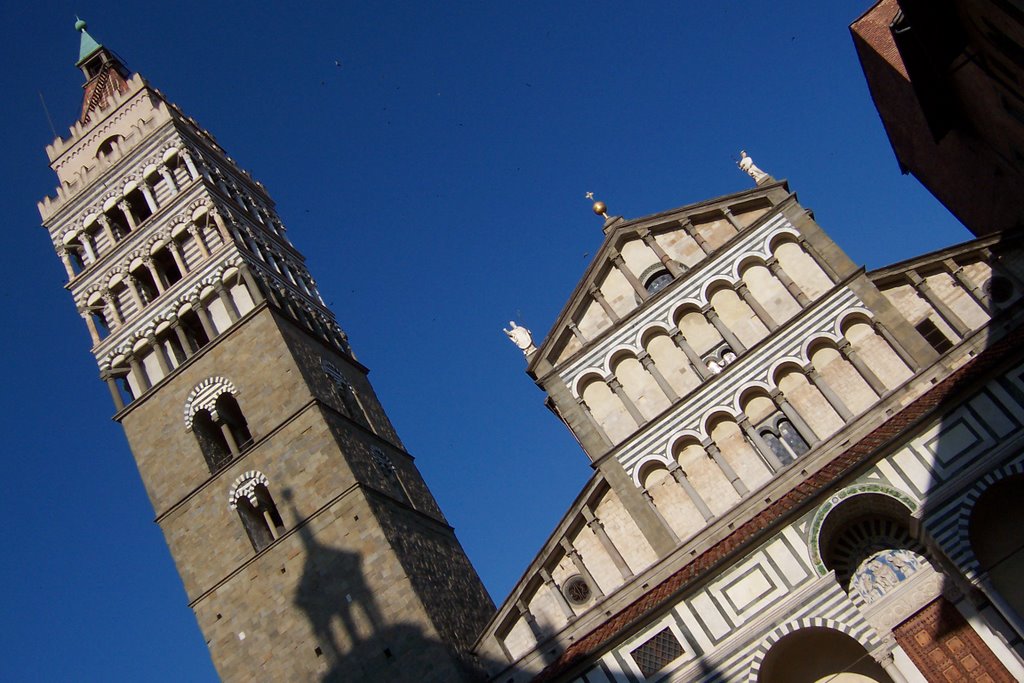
point(1009, 614)
point(229, 437)
point(177, 255)
point(158, 277)
point(679, 475)
point(895, 345)
point(577, 561)
point(168, 177)
point(651, 367)
point(126, 209)
point(222, 227)
point(147, 193)
point(115, 393)
point(110, 297)
point(255, 293)
point(133, 288)
point(694, 234)
point(818, 382)
point(531, 621)
point(183, 338)
point(935, 301)
point(759, 444)
point(161, 353)
point(189, 164)
point(197, 233)
point(970, 287)
point(620, 393)
point(661, 518)
point(696, 362)
point(593, 423)
point(204, 319)
point(580, 337)
point(715, 453)
point(107, 228)
point(66, 260)
point(227, 300)
point(87, 246)
point(620, 265)
point(140, 373)
point(670, 265)
point(598, 296)
point(888, 664)
point(795, 418)
point(94, 333)
point(819, 259)
point(732, 219)
point(846, 351)
point(731, 339)
point(750, 300)
point(787, 282)
point(597, 527)
point(556, 593)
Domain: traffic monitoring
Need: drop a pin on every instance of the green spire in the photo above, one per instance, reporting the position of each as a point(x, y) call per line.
point(89, 44)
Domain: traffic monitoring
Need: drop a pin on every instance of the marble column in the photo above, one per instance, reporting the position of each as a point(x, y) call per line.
point(597, 527)
point(627, 402)
point(598, 296)
point(161, 353)
point(731, 339)
point(577, 560)
point(932, 298)
point(654, 508)
point(227, 300)
point(750, 300)
point(670, 265)
point(847, 351)
point(696, 362)
point(794, 417)
point(620, 265)
point(759, 444)
point(792, 287)
point(681, 478)
point(694, 234)
point(556, 593)
point(818, 382)
point(715, 453)
point(652, 369)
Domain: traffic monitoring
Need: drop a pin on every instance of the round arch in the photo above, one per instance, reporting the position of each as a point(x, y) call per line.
point(835, 501)
point(816, 649)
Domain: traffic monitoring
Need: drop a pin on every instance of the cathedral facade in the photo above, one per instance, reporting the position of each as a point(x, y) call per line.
point(802, 470)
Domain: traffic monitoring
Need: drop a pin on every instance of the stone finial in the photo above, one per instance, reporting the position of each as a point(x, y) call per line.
point(747, 165)
point(521, 337)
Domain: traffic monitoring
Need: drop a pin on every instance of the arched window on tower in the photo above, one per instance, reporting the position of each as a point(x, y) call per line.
point(213, 414)
point(346, 393)
point(250, 497)
point(211, 441)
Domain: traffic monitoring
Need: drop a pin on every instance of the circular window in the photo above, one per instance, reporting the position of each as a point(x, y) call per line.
point(577, 590)
point(658, 281)
point(999, 289)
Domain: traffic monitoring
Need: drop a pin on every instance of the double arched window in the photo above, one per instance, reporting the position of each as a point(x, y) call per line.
point(250, 497)
point(212, 413)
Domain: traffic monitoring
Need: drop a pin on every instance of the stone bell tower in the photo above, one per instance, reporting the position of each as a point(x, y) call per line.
point(309, 546)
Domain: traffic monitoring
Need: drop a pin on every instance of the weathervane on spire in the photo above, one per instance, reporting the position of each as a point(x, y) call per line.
point(599, 207)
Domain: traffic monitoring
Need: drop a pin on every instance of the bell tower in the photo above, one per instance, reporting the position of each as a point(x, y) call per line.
point(308, 544)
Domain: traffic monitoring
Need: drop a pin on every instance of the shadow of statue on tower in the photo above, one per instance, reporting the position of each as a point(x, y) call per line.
point(333, 595)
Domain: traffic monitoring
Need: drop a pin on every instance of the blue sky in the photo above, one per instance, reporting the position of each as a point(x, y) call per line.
point(435, 181)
